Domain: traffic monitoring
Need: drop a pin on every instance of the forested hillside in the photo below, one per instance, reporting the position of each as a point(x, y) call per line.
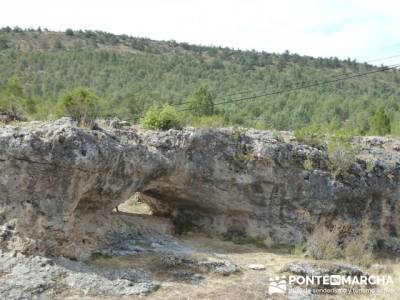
point(130, 74)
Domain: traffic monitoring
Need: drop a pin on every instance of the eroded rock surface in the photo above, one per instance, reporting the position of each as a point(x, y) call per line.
point(59, 184)
point(30, 277)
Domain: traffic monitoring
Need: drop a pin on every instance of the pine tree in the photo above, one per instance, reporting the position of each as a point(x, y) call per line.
point(201, 102)
point(380, 122)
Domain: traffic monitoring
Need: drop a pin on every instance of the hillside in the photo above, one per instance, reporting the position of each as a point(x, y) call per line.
point(129, 74)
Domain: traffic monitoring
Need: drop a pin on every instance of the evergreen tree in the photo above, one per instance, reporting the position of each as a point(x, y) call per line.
point(201, 102)
point(12, 98)
point(380, 122)
point(81, 104)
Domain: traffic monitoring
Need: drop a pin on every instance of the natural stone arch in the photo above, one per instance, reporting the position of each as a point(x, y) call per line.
point(59, 184)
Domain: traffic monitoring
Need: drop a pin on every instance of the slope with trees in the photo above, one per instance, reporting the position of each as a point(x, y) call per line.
point(130, 75)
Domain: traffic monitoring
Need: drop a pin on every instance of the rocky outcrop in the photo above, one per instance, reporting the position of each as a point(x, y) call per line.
point(59, 184)
point(36, 277)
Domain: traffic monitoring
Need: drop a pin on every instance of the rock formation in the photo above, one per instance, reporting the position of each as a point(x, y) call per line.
point(59, 184)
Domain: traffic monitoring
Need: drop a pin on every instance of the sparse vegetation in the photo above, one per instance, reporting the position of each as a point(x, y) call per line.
point(370, 165)
point(235, 134)
point(308, 165)
point(342, 154)
point(243, 158)
point(214, 121)
point(311, 135)
point(328, 244)
point(324, 244)
point(299, 249)
point(277, 136)
point(359, 250)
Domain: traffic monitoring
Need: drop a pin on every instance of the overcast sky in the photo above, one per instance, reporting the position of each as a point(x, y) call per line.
point(344, 28)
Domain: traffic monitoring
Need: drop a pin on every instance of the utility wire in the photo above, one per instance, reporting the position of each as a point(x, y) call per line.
point(299, 82)
point(321, 83)
point(286, 85)
point(383, 69)
point(384, 58)
point(338, 75)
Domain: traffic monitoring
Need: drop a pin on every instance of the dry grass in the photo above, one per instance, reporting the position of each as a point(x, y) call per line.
point(323, 244)
point(246, 284)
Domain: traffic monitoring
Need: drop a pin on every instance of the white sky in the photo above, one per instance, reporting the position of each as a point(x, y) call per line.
point(354, 28)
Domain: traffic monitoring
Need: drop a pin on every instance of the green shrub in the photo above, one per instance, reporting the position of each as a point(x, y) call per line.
point(81, 104)
point(324, 244)
point(69, 32)
point(162, 118)
point(342, 154)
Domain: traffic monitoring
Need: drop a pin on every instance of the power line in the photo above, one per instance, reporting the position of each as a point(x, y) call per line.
point(313, 85)
point(343, 74)
point(321, 83)
point(339, 75)
point(383, 69)
point(286, 85)
point(299, 82)
point(384, 58)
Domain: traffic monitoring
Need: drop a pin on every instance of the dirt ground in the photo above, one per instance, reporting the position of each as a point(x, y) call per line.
point(244, 284)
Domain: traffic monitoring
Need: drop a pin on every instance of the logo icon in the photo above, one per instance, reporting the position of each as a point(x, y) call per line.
point(335, 280)
point(277, 285)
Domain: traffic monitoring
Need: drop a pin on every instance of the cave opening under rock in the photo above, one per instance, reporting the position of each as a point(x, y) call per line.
point(134, 206)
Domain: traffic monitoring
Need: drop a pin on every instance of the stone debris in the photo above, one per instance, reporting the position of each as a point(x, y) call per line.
point(223, 267)
point(256, 267)
point(309, 268)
